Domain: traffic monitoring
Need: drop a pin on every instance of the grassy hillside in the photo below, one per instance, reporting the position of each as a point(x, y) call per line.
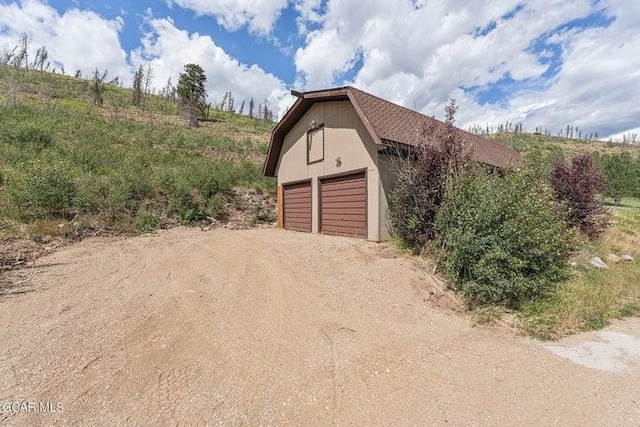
point(532, 144)
point(70, 168)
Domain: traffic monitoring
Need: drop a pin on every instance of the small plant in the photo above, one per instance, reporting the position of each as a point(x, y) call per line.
point(262, 215)
point(577, 185)
point(47, 192)
point(147, 221)
point(216, 207)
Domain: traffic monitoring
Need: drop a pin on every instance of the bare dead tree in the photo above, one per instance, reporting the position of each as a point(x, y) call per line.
point(98, 79)
point(148, 75)
point(23, 53)
point(6, 57)
point(136, 93)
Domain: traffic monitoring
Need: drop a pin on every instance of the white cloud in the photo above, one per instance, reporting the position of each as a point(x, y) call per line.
point(258, 15)
point(628, 135)
point(83, 40)
point(167, 49)
point(308, 13)
point(76, 40)
point(420, 54)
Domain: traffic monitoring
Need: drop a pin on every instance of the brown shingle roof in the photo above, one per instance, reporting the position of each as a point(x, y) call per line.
point(386, 122)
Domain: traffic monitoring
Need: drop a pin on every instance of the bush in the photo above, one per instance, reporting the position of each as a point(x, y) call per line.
point(423, 175)
point(147, 221)
point(25, 136)
point(577, 185)
point(502, 240)
point(622, 174)
point(48, 191)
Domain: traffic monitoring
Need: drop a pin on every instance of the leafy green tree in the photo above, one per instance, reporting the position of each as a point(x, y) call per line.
point(192, 92)
point(622, 174)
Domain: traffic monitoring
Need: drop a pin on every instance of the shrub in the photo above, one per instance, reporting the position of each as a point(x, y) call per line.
point(147, 221)
point(502, 240)
point(26, 136)
point(577, 186)
point(622, 174)
point(48, 191)
point(423, 175)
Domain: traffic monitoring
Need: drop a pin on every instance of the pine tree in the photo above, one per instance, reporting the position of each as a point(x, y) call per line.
point(192, 92)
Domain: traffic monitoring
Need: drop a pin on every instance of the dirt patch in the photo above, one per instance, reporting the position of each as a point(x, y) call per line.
point(269, 327)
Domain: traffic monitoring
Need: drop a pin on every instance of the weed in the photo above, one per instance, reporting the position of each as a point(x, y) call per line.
point(147, 221)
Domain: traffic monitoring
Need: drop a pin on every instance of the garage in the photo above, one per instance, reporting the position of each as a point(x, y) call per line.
point(297, 206)
point(343, 205)
point(338, 137)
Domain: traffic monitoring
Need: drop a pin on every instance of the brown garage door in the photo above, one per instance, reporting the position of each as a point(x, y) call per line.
point(297, 206)
point(344, 205)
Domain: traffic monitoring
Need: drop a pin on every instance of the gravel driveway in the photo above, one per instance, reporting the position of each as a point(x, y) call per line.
point(269, 327)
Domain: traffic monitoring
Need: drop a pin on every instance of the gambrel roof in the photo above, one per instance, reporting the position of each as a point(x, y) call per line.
point(387, 124)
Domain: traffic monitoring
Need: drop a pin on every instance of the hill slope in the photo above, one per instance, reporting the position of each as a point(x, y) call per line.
point(528, 144)
point(70, 168)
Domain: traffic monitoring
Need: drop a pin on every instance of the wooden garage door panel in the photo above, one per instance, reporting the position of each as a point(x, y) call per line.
point(297, 206)
point(355, 192)
point(337, 211)
point(344, 205)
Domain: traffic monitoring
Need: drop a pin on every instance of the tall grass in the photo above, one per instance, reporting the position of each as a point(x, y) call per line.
point(591, 298)
point(62, 163)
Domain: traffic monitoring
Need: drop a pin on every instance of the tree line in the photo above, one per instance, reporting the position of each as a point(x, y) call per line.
point(570, 131)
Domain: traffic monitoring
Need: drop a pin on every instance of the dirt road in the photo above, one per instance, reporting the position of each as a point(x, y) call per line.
point(268, 327)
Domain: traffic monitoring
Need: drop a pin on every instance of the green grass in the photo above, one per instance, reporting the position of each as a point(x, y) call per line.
point(66, 161)
point(542, 145)
point(625, 202)
point(591, 298)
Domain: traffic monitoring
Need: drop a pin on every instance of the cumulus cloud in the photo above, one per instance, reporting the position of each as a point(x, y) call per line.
point(76, 40)
point(167, 49)
point(546, 63)
point(258, 15)
point(489, 55)
point(83, 40)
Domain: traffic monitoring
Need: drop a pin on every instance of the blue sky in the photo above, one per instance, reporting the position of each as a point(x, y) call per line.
point(546, 63)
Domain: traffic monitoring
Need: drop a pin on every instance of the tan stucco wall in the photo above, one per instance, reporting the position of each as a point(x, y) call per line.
point(388, 177)
point(345, 137)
